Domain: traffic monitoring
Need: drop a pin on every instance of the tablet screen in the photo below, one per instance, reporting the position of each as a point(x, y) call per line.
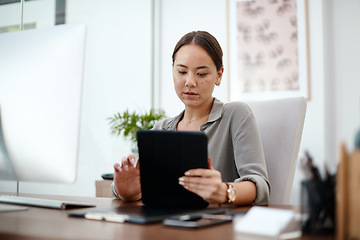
point(164, 156)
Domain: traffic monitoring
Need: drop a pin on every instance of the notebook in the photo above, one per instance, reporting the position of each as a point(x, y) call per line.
point(164, 156)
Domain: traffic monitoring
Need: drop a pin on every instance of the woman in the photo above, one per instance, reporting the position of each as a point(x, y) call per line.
point(237, 172)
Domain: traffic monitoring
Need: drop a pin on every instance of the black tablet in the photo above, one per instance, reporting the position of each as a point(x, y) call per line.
point(164, 156)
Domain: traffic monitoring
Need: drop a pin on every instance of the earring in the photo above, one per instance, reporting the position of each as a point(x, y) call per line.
point(217, 83)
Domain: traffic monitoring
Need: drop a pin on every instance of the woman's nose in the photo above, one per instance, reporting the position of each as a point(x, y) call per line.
point(190, 82)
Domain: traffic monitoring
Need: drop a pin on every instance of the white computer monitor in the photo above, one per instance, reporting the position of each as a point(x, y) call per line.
point(41, 81)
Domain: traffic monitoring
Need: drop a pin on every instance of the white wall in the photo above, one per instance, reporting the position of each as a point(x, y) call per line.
point(344, 69)
point(314, 131)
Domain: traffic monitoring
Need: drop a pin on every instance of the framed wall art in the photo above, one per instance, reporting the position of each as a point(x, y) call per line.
point(268, 49)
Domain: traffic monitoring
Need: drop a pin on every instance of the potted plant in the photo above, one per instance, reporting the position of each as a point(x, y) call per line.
point(127, 124)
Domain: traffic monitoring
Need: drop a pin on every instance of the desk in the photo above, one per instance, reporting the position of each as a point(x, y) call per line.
point(42, 223)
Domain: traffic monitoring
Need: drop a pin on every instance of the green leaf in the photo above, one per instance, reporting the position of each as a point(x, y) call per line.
point(127, 124)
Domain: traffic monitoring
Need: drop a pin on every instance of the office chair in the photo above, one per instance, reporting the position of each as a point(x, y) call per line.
point(280, 124)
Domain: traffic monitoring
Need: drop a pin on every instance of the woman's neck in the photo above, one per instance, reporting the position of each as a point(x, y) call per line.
point(194, 117)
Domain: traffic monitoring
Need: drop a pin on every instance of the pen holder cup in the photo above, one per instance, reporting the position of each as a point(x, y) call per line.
point(318, 205)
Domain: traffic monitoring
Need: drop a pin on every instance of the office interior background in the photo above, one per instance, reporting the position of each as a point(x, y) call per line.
point(128, 66)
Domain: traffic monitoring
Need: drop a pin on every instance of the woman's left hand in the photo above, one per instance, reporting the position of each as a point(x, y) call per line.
point(207, 183)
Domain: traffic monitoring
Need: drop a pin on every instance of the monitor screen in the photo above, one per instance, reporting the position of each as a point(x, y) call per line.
point(41, 78)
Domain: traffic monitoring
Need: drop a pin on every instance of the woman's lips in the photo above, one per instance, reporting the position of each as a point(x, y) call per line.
point(190, 95)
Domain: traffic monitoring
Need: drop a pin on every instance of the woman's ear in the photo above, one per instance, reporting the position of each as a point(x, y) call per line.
point(220, 73)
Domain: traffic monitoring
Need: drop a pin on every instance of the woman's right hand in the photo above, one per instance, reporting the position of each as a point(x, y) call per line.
point(127, 179)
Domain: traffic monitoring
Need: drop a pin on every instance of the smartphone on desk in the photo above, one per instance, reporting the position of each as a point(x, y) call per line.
point(197, 221)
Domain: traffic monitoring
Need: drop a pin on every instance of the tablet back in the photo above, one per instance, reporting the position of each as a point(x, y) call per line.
point(164, 156)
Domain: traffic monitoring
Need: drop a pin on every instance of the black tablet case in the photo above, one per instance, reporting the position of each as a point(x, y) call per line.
point(164, 156)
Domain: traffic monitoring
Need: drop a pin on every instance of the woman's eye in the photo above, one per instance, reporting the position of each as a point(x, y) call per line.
point(182, 72)
point(202, 74)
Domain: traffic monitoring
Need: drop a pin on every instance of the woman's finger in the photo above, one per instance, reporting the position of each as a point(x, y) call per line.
point(128, 163)
point(117, 167)
point(132, 159)
point(210, 165)
point(202, 173)
point(201, 181)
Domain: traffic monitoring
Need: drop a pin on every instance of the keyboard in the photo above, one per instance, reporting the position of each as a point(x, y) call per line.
point(41, 202)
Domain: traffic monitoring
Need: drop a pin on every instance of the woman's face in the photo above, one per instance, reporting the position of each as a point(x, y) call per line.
point(195, 75)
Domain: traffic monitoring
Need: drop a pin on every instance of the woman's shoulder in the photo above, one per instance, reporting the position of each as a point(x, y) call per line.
point(236, 108)
point(239, 115)
point(168, 123)
point(161, 124)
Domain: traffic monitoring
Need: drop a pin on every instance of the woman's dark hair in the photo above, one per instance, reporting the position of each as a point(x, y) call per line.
point(205, 40)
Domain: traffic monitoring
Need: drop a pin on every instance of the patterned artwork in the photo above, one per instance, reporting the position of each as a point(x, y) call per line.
point(267, 46)
point(267, 40)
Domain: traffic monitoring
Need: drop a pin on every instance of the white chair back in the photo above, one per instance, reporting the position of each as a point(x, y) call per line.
point(280, 124)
